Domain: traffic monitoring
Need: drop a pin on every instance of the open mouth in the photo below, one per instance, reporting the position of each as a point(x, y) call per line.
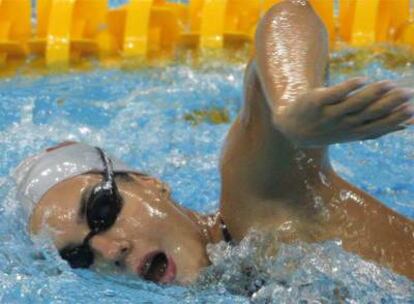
point(158, 268)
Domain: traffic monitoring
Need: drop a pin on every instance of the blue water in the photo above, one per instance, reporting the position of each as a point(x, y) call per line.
point(142, 118)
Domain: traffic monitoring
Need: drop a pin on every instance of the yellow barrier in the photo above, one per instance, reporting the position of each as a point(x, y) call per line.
point(14, 27)
point(202, 32)
point(68, 29)
point(241, 19)
point(326, 13)
point(406, 34)
point(363, 22)
point(392, 16)
point(145, 26)
point(234, 23)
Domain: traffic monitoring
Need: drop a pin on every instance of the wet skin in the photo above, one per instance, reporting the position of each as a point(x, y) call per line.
point(275, 169)
point(149, 223)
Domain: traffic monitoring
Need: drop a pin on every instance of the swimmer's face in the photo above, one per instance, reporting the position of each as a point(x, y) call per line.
point(152, 237)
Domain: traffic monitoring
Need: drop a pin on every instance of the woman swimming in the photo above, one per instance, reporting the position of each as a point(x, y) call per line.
point(276, 174)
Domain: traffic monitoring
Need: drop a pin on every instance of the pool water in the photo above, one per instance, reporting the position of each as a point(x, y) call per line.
point(171, 122)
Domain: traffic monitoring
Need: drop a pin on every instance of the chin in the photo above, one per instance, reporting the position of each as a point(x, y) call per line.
point(189, 274)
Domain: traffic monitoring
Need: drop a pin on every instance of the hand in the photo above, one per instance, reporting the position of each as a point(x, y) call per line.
point(346, 112)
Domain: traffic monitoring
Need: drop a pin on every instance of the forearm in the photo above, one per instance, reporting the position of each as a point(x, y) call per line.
point(377, 233)
point(291, 61)
point(291, 53)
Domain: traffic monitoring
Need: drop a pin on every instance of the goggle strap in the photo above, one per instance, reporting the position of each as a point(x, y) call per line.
point(109, 171)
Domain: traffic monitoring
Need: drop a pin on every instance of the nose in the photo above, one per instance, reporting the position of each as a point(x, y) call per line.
point(110, 249)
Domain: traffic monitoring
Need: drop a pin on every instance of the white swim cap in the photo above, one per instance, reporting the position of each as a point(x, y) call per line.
point(36, 175)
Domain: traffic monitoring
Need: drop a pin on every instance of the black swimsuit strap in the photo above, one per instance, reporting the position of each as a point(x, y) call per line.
point(226, 234)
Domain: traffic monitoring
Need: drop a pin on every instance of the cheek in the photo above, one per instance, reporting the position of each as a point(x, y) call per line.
point(64, 232)
point(74, 235)
point(154, 217)
point(138, 221)
point(143, 211)
point(154, 212)
point(52, 217)
point(65, 217)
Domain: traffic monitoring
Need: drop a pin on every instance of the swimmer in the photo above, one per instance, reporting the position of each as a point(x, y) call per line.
point(275, 170)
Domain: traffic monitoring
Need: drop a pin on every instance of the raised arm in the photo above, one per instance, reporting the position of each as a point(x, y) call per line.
point(275, 167)
point(292, 64)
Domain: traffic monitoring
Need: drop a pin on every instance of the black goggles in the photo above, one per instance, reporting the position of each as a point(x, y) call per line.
point(102, 208)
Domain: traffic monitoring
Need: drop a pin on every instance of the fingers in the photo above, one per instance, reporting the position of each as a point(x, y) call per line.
point(360, 100)
point(397, 120)
point(384, 106)
point(335, 94)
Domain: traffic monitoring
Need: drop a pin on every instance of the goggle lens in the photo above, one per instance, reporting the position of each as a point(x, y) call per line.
point(102, 209)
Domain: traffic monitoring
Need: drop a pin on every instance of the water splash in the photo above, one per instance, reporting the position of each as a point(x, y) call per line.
point(301, 273)
point(140, 118)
